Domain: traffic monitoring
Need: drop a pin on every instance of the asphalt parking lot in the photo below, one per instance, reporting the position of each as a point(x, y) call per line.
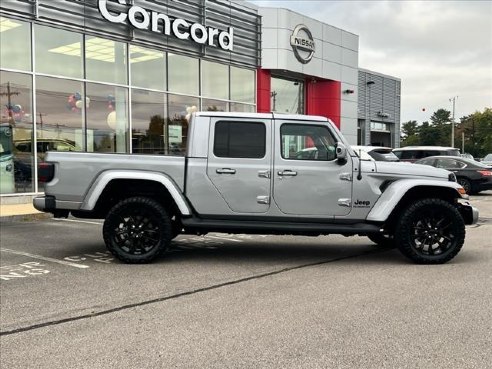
point(240, 301)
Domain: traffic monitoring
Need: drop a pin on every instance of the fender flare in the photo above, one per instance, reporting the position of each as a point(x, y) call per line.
point(104, 178)
point(393, 194)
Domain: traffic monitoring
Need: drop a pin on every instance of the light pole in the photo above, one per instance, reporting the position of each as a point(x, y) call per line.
point(453, 99)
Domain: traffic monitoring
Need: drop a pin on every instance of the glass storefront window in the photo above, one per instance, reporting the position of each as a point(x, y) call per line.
point(107, 118)
point(149, 123)
point(148, 68)
point(180, 110)
point(243, 108)
point(15, 42)
point(60, 115)
point(58, 52)
point(214, 105)
point(105, 60)
point(287, 96)
point(16, 122)
point(243, 85)
point(215, 80)
point(183, 74)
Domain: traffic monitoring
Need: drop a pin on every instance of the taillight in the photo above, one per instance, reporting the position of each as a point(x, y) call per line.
point(485, 172)
point(46, 172)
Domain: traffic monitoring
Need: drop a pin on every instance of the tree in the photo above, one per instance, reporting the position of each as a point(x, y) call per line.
point(477, 129)
point(410, 131)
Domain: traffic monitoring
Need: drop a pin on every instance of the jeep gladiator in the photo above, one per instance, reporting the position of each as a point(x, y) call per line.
point(259, 173)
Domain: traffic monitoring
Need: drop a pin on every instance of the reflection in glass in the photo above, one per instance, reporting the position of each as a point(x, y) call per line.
point(60, 113)
point(215, 80)
point(58, 52)
point(16, 152)
point(243, 85)
point(149, 122)
point(214, 105)
point(180, 110)
point(107, 118)
point(15, 44)
point(183, 74)
point(287, 96)
point(105, 60)
point(148, 68)
point(242, 108)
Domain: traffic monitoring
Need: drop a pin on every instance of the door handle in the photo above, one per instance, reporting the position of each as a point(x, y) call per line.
point(286, 173)
point(226, 171)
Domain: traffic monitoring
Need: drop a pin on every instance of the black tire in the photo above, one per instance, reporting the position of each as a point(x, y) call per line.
point(382, 240)
point(137, 230)
point(466, 184)
point(430, 231)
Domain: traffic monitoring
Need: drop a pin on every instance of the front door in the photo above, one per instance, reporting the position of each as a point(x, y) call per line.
point(307, 177)
point(239, 163)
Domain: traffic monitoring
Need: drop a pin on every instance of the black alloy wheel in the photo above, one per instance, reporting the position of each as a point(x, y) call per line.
point(430, 231)
point(137, 230)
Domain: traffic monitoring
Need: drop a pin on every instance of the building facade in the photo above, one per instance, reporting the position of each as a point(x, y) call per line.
point(379, 102)
point(123, 76)
point(308, 67)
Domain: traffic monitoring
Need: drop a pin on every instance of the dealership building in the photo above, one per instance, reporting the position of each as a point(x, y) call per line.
point(124, 76)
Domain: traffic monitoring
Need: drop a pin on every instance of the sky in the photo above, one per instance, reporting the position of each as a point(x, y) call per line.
point(439, 49)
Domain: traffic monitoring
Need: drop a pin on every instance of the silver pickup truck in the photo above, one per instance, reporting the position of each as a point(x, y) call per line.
point(262, 174)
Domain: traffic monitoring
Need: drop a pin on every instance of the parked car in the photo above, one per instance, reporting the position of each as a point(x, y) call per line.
point(487, 160)
point(414, 153)
point(472, 175)
point(467, 156)
point(377, 153)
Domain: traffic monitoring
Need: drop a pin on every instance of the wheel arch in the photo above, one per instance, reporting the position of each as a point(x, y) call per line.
point(113, 186)
point(398, 196)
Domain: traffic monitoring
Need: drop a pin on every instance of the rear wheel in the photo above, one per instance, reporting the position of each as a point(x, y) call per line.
point(430, 231)
point(137, 230)
point(465, 183)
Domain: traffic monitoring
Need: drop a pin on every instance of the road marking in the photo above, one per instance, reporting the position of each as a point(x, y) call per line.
point(77, 221)
point(81, 266)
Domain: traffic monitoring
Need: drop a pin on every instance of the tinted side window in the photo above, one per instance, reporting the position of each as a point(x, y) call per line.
point(431, 153)
point(408, 154)
point(240, 140)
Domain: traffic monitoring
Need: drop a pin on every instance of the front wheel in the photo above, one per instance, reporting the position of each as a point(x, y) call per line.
point(430, 231)
point(137, 230)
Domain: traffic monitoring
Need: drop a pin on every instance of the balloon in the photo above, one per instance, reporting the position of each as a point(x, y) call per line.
point(87, 102)
point(79, 104)
point(77, 96)
point(17, 108)
point(111, 120)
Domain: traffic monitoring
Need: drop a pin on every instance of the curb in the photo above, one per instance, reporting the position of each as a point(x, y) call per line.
point(25, 217)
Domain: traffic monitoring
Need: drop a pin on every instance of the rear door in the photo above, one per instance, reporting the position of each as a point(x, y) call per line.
point(315, 184)
point(239, 162)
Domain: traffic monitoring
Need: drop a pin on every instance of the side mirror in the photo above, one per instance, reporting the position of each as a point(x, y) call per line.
point(341, 152)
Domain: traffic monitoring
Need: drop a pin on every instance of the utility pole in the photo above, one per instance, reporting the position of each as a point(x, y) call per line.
point(453, 99)
point(9, 106)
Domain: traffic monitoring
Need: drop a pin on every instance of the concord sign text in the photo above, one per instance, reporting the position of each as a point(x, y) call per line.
point(180, 28)
point(302, 43)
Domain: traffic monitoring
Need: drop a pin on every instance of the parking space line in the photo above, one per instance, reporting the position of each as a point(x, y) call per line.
point(39, 257)
point(77, 221)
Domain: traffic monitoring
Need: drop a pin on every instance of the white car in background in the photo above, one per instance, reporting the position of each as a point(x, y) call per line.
point(376, 153)
point(487, 160)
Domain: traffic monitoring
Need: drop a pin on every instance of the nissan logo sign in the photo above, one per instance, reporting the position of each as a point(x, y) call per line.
point(160, 23)
point(302, 43)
